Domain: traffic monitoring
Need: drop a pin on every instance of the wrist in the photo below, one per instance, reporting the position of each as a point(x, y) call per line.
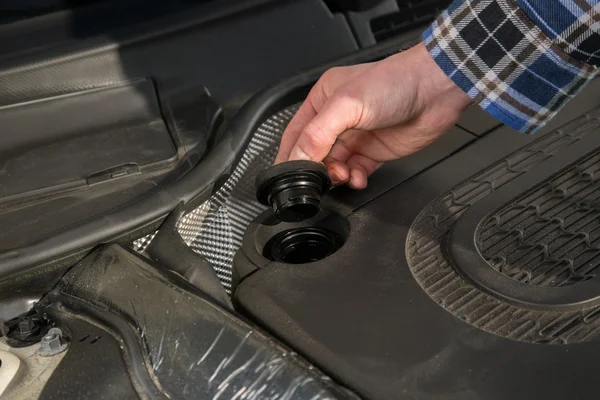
point(435, 87)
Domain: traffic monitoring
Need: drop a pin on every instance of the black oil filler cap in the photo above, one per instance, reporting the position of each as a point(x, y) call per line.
point(293, 189)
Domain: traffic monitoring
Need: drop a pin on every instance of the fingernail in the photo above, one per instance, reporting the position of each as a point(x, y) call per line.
point(298, 154)
point(337, 181)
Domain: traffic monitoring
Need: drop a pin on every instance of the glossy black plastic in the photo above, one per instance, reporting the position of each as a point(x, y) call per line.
point(293, 189)
point(302, 245)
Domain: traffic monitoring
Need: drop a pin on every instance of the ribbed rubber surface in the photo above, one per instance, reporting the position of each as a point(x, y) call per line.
point(433, 268)
point(551, 235)
point(216, 228)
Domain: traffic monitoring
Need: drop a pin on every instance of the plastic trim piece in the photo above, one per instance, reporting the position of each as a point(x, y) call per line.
point(123, 37)
point(169, 249)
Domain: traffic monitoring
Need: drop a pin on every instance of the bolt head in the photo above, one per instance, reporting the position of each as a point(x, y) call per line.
point(51, 343)
point(54, 344)
point(26, 326)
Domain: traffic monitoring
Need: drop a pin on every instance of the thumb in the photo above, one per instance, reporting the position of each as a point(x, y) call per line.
point(339, 114)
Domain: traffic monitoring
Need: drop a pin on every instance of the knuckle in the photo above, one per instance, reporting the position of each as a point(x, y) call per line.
point(325, 83)
point(331, 73)
point(350, 104)
point(314, 136)
point(331, 80)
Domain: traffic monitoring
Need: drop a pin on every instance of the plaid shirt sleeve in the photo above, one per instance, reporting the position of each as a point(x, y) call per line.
point(520, 60)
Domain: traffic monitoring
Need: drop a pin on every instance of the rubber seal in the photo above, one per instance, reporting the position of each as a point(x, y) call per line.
point(293, 189)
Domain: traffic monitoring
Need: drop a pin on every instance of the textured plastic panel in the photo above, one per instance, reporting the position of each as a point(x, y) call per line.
point(436, 272)
point(550, 236)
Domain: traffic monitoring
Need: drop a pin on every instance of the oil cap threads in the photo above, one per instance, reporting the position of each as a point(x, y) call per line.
point(293, 189)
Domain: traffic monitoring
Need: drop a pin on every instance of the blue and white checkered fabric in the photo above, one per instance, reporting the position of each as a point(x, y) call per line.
point(521, 60)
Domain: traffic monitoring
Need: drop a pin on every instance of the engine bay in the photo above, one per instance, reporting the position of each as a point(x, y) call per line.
point(465, 271)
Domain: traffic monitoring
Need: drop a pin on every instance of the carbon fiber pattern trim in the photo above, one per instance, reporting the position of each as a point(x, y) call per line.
point(216, 228)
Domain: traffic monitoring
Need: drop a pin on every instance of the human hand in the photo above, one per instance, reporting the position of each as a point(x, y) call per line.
point(356, 118)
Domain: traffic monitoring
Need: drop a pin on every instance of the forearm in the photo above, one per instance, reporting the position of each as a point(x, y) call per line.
point(521, 60)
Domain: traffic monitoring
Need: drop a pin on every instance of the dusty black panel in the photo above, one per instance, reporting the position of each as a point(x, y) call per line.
point(233, 47)
point(548, 236)
point(398, 171)
point(93, 367)
point(410, 15)
point(477, 121)
point(441, 247)
point(361, 315)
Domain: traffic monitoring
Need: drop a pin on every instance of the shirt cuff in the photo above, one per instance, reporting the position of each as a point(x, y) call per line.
point(503, 61)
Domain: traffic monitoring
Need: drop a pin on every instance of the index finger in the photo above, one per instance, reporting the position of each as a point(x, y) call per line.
point(305, 113)
point(316, 99)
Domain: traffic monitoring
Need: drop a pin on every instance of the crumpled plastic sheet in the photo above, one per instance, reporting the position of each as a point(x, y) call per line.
point(196, 350)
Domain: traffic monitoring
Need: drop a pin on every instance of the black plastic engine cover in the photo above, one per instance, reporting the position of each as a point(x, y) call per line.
point(475, 279)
